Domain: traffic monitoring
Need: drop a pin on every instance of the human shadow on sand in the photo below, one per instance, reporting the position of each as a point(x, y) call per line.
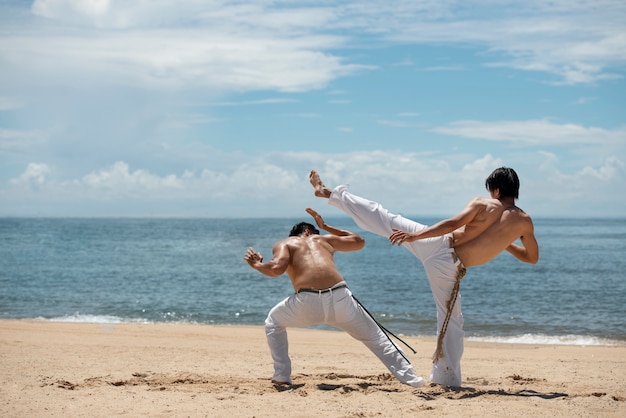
point(469, 393)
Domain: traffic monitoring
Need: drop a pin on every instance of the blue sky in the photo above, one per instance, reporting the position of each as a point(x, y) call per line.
point(220, 108)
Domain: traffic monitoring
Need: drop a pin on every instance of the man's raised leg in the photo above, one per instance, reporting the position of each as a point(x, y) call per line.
point(367, 214)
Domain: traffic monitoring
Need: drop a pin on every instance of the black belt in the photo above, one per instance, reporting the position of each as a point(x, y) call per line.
point(330, 289)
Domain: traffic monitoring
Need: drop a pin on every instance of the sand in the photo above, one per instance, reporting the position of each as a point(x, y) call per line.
point(54, 369)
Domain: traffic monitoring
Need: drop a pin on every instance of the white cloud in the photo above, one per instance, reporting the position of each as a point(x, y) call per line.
point(60, 9)
point(111, 13)
point(184, 66)
point(34, 175)
point(284, 46)
point(534, 132)
point(609, 171)
point(229, 15)
point(479, 167)
point(577, 41)
point(590, 191)
point(256, 102)
point(277, 185)
point(118, 181)
point(185, 58)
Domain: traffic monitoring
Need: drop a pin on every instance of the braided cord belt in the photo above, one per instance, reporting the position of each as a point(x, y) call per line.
point(449, 305)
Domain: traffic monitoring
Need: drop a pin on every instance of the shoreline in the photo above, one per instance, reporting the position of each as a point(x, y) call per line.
point(165, 369)
point(533, 339)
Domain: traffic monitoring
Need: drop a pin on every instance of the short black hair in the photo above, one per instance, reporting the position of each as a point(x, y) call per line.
point(504, 179)
point(299, 228)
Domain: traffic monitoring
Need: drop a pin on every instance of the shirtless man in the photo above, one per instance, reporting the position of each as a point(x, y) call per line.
point(321, 297)
point(480, 232)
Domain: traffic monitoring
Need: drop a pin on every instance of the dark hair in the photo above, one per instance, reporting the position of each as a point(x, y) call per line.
point(299, 228)
point(504, 179)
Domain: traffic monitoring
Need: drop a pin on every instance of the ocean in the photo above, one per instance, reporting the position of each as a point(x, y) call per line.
point(192, 271)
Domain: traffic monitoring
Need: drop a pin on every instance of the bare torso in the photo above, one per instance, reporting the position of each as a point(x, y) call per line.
point(496, 225)
point(308, 258)
point(311, 262)
point(489, 226)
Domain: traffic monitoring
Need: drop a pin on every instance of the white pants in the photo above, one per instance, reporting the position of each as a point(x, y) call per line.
point(337, 308)
point(441, 269)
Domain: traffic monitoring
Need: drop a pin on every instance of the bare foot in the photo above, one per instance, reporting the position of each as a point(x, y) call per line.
point(320, 189)
point(279, 383)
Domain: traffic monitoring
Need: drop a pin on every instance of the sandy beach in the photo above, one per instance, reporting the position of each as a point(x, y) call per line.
point(173, 370)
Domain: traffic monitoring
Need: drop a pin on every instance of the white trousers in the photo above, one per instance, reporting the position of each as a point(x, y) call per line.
point(441, 268)
point(337, 308)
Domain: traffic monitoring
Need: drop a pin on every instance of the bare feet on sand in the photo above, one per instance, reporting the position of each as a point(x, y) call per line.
point(320, 189)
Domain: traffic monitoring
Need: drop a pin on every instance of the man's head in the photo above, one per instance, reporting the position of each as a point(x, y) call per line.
point(504, 180)
point(301, 228)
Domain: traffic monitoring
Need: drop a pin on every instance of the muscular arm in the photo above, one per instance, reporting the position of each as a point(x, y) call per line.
point(464, 217)
point(273, 268)
point(528, 252)
point(342, 240)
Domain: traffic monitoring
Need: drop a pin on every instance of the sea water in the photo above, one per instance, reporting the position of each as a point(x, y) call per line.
point(192, 271)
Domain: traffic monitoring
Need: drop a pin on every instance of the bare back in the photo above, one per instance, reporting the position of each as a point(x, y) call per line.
point(495, 227)
point(482, 213)
point(308, 258)
point(311, 261)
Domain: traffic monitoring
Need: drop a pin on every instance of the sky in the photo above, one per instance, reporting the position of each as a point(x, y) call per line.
point(208, 108)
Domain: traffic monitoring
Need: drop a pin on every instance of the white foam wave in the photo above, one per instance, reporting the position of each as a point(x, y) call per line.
point(581, 340)
point(540, 339)
point(95, 319)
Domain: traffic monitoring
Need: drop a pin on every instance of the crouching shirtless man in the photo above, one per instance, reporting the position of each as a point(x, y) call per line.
point(321, 297)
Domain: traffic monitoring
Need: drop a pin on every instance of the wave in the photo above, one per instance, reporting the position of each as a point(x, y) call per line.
point(94, 319)
point(541, 339)
point(538, 339)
